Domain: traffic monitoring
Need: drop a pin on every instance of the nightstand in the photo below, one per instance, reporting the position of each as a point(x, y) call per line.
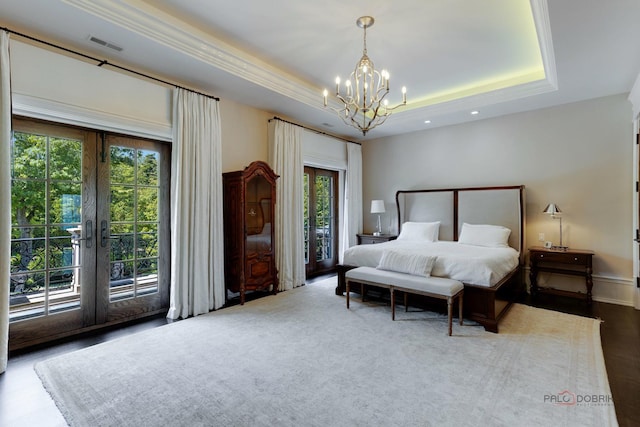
point(576, 262)
point(369, 239)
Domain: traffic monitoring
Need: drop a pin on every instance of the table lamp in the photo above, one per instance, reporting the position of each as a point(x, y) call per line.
point(377, 207)
point(554, 210)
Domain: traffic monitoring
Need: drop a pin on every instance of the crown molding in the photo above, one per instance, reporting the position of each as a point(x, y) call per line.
point(540, 11)
point(141, 18)
point(138, 17)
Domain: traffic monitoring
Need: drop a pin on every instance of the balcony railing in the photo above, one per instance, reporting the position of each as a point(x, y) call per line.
point(63, 291)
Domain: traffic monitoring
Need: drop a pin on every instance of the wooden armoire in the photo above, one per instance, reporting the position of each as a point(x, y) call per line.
point(249, 209)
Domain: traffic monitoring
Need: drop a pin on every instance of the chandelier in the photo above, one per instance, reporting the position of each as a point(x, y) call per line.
point(363, 93)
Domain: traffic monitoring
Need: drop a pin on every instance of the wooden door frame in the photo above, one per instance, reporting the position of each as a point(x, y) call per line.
point(312, 268)
point(50, 327)
point(636, 219)
point(114, 312)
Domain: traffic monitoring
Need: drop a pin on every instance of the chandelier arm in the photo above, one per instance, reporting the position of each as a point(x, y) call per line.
point(374, 118)
point(384, 118)
point(354, 115)
point(399, 105)
point(341, 99)
point(386, 92)
point(353, 123)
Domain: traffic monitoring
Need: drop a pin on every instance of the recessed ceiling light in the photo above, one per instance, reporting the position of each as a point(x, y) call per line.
point(475, 112)
point(427, 121)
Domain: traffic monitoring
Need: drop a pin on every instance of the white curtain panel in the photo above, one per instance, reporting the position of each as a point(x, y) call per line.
point(197, 258)
point(285, 157)
point(353, 198)
point(5, 197)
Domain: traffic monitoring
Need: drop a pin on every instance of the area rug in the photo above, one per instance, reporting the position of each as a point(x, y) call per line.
point(301, 358)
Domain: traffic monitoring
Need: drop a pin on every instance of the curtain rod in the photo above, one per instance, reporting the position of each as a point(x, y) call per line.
point(102, 62)
point(314, 130)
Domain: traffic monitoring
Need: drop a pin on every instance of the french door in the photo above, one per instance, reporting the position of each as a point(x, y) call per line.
point(89, 243)
point(321, 220)
point(132, 228)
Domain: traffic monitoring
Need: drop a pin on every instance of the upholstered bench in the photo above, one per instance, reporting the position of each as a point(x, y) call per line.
point(436, 287)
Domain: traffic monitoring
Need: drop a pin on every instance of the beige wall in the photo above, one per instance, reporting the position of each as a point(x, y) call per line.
point(579, 156)
point(244, 135)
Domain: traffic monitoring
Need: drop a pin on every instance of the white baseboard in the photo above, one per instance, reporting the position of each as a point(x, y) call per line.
point(614, 290)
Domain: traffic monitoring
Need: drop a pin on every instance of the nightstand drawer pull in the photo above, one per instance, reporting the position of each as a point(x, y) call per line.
point(562, 258)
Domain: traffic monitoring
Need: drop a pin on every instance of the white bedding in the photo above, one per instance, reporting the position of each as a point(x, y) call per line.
point(259, 243)
point(476, 265)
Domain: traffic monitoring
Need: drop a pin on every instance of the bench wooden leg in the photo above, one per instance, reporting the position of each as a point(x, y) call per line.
point(347, 291)
point(393, 303)
point(406, 301)
point(449, 312)
point(460, 306)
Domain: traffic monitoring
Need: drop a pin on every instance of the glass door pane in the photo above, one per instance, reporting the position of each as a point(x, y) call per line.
point(307, 217)
point(132, 226)
point(46, 223)
point(51, 247)
point(134, 223)
point(325, 217)
point(320, 220)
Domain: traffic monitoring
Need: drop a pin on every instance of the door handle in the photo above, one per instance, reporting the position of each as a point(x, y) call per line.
point(104, 235)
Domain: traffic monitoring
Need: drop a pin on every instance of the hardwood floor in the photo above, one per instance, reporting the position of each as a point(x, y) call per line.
point(24, 402)
point(620, 337)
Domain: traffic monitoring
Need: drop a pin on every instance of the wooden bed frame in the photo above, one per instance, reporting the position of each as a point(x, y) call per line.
point(475, 205)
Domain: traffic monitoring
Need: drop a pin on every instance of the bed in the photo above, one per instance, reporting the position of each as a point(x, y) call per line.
point(260, 242)
point(479, 240)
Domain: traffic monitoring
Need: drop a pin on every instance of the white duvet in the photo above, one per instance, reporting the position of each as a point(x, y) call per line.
point(475, 265)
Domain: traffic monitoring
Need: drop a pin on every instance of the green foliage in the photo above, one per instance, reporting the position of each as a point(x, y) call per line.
point(322, 200)
point(46, 197)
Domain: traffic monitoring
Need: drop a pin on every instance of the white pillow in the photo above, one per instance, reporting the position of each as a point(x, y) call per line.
point(407, 262)
point(420, 231)
point(494, 236)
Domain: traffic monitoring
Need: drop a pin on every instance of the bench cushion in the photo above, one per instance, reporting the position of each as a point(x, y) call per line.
point(434, 285)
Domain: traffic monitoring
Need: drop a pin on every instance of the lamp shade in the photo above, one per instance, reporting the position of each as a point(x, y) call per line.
point(377, 206)
point(552, 209)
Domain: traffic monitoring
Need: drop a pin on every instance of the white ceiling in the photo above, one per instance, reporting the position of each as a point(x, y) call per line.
point(453, 56)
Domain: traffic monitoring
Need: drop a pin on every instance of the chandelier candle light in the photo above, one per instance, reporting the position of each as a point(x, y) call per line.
point(362, 96)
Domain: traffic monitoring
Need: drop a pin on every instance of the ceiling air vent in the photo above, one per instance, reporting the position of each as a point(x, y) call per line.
point(105, 44)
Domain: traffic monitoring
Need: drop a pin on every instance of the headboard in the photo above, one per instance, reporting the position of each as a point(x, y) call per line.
point(476, 205)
